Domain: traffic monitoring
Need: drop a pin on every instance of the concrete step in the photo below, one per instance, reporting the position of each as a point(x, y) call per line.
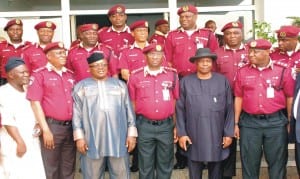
point(183, 174)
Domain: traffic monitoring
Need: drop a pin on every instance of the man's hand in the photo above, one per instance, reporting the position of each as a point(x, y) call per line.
point(236, 132)
point(81, 146)
point(183, 140)
point(175, 135)
point(226, 142)
point(130, 143)
point(21, 148)
point(48, 139)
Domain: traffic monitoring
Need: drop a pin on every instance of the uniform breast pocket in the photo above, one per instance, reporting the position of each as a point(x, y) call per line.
point(144, 90)
point(223, 65)
point(249, 83)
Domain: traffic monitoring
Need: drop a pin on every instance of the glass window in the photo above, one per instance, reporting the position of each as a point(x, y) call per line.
point(207, 3)
point(222, 18)
point(29, 5)
point(106, 4)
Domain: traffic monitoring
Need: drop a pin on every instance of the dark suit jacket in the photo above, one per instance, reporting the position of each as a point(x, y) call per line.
point(295, 123)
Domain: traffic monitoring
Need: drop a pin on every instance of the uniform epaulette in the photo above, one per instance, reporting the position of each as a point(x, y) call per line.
point(70, 71)
point(28, 43)
point(205, 29)
point(105, 45)
point(279, 63)
point(3, 42)
point(138, 70)
point(170, 69)
point(74, 46)
point(40, 69)
point(102, 29)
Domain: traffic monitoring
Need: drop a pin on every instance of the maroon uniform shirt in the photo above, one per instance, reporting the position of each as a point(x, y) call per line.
point(158, 38)
point(283, 58)
point(179, 47)
point(77, 60)
point(229, 60)
point(132, 58)
point(53, 91)
point(8, 50)
point(251, 85)
point(116, 40)
point(148, 92)
point(34, 57)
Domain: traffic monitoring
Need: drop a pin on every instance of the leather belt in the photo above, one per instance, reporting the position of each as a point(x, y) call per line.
point(59, 122)
point(264, 116)
point(154, 122)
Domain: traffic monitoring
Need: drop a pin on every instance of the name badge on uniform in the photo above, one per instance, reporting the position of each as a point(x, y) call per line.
point(270, 90)
point(165, 91)
point(199, 44)
point(166, 95)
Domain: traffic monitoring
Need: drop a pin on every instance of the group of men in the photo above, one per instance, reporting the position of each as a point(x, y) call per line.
point(181, 87)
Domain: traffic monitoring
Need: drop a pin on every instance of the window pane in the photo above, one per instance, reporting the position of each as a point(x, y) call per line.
point(222, 18)
point(208, 3)
point(29, 5)
point(106, 4)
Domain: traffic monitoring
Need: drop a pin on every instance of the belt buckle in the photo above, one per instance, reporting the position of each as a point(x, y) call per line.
point(155, 123)
point(262, 116)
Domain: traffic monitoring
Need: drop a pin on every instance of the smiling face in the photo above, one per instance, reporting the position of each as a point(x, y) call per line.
point(99, 69)
point(188, 20)
point(57, 57)
point(45, 35)
point(259, 57)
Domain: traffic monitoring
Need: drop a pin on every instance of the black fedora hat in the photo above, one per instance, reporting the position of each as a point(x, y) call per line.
point(203, 52)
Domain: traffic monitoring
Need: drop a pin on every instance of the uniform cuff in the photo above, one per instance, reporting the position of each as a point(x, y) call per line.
point(132, 131)
point(78, 134)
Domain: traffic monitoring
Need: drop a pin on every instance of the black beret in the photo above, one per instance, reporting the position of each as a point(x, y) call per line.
point(13, 62)
point(96, 56)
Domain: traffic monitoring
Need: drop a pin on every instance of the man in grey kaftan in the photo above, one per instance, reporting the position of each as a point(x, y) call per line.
point(103, 122)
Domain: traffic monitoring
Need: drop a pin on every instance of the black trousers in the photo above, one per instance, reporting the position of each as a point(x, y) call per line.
point(60, 162)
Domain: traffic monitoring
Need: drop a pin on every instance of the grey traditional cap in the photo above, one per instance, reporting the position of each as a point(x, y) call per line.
point(13, 62)
point(96, 56)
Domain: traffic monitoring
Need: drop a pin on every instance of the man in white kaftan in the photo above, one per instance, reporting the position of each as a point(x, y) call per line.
point(20, 151)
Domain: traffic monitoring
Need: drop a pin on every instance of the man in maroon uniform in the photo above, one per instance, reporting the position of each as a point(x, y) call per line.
point(288, 51)
point(51, 100)
point(132, 57)
point(34, 55)
point(12, 47)
point(118, 35)
point(232, 56)
point(262, 90)
point(183, 42)
point(76, 60)
point(161, 30)
point(153, 90)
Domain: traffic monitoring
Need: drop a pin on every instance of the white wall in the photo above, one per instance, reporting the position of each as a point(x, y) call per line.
point(276, 11)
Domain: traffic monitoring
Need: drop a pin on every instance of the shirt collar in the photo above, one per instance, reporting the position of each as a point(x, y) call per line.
point(270, 65)
point(242, 46)
point(159, 33)
point(126, 29)
point(50, 67)
point(135, 45)
point(147, 71)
